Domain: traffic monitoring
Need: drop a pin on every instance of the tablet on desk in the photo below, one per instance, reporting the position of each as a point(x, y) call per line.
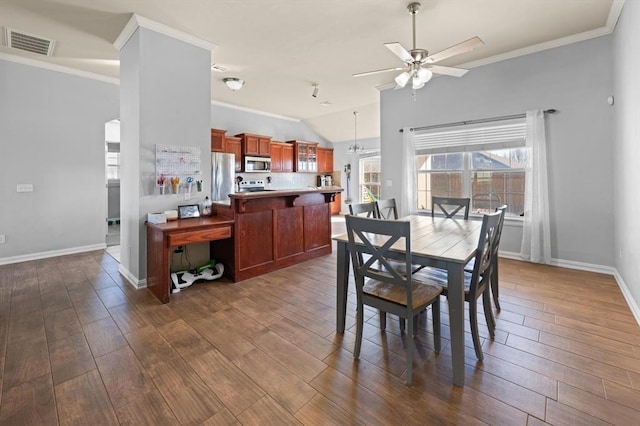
point(188, 211)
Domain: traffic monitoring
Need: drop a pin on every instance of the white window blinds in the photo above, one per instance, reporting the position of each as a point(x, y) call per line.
point(472, 137)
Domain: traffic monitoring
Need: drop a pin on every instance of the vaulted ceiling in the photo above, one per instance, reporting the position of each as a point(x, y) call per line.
point(281, 48)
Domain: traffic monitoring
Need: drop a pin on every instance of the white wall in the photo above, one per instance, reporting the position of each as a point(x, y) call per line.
point(576, 80)
point(237, 120)
point(626, 148)
point(52, 135)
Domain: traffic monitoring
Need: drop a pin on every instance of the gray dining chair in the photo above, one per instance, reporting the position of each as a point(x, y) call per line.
point(450, 206)
point(387, 209)
point(476, 283)
point(363, 209)
point(494, 271)
point(387, 289)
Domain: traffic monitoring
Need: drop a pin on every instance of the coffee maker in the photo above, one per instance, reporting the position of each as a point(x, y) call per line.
point(324, 180)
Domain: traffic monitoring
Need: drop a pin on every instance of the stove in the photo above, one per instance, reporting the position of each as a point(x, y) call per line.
point(251, 186)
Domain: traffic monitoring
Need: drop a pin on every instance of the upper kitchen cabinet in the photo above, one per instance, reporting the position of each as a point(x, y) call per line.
point(281, 157)
point(218, 140)
point(234, 146)
point(305, 156)
point(255, 145)
point(325, 160)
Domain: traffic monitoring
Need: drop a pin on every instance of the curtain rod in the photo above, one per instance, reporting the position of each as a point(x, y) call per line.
point(481, 120)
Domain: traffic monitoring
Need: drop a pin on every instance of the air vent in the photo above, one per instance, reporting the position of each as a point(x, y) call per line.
point(29, 42)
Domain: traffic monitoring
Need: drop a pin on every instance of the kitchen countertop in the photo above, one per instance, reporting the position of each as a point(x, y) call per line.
point(281, 192)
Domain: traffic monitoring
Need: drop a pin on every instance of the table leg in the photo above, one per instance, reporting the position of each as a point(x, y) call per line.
point(455, 273)
point(342, 275)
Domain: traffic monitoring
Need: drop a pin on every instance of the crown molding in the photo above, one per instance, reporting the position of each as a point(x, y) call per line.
point(58, 68)
point(254, 111)
point(137, 21)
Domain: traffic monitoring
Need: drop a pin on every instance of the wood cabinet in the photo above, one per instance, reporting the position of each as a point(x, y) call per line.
point(256, 145)
point(305, 156)
point(218, 140)
point(234, 146)
point(281, 157)
point(336, 204)
point(325, 160)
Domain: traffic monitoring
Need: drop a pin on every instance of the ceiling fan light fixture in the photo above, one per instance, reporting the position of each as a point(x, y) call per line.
point(403, 79)
point(417, 83)
point(233, 83)
point(424, 74)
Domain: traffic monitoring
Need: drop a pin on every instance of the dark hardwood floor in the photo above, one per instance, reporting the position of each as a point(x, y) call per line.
point(79, 346)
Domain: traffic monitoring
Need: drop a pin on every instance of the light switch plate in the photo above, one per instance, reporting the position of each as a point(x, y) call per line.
point(24, 187)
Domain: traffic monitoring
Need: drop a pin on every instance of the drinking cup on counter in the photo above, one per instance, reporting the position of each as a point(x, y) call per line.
point(175, 187)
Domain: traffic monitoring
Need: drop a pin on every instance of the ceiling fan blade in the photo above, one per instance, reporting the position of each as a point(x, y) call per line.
point(362, 74)
point(465, 46)
point(399, 51)
point(454, 72)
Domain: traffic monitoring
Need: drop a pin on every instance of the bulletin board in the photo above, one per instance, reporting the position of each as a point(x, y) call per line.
point(177, 167)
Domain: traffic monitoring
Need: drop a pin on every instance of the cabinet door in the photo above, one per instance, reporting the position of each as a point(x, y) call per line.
point(276, 157)
point(287, 158)
point(301, 157)
point(218, 140)
point(336, 204)
point(312, 158)
point(264, 146)
point(251, 145)
point(329, 161)
point(234, 146)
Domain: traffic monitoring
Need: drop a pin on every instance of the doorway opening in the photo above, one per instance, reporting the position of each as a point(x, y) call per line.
point(112, 185)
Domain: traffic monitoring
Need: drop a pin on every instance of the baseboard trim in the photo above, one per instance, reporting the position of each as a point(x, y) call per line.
point(132, 279)
point(52, 253)
point(589, 267)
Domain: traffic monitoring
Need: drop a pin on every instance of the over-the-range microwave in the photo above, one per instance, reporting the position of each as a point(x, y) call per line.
point(257, 164)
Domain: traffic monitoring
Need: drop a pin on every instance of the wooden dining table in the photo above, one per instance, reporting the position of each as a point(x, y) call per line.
point(443, 243)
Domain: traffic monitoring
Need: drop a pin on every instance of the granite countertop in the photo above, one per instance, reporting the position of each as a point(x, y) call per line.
point(281, 192)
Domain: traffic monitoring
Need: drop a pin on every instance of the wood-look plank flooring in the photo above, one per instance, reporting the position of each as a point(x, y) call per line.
point(79, 346)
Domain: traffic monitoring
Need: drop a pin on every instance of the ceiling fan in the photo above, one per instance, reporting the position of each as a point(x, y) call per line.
point(419, 65)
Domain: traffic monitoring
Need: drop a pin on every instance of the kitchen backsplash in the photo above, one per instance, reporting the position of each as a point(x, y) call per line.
point(283, 180)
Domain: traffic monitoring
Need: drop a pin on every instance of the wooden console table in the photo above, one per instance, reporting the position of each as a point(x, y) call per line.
point(161, 237)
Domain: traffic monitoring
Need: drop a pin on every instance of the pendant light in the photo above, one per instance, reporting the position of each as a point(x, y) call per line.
point(355, 148)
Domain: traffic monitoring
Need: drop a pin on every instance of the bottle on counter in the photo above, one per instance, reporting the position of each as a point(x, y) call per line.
point(207, 207)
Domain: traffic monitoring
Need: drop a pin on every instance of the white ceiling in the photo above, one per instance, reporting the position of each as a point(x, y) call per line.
point(282, 47)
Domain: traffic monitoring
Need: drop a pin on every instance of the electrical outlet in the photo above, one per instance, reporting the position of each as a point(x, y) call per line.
point(24, 187)
point(187, 195)
point(2, 239)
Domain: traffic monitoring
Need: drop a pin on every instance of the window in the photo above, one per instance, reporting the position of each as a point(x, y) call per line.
point(369, 179)
point(113, 161)
point(485, 163)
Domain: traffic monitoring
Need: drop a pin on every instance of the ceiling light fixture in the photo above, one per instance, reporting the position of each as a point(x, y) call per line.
point(355, 148)
point(233, 83)
point(315, 91)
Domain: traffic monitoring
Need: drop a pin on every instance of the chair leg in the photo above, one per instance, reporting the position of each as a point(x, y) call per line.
point(410, 346)
point(473, 319)
point(402, 324)
point(383, 320)
point(488, 312)
point(435, 315)
point(359, 326)
point(415, 324)
point(494, 285)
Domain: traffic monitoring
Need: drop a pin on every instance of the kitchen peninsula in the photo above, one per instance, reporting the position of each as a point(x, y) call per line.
point(274, 229)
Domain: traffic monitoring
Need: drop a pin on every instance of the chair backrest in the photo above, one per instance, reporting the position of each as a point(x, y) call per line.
point(370, 241)
point(503, 210)
point(387, 209)
point(365, 209)
point(485, 251)
point(450, 206)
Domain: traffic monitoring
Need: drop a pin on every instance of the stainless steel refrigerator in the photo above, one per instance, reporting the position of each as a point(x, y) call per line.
point(223, 170)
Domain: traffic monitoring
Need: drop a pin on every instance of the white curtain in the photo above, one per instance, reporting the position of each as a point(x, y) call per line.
point(536, 233)
point(408, 201)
